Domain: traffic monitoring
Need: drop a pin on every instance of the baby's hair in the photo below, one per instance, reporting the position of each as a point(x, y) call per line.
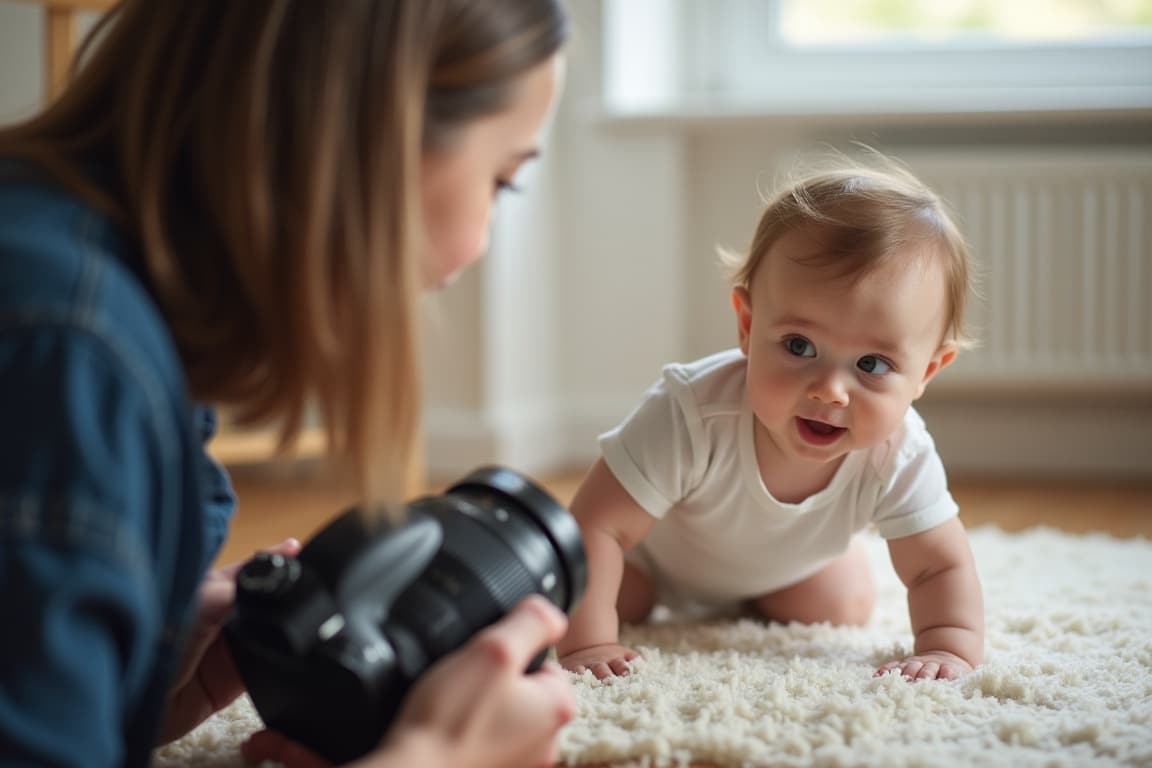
point(863, 215)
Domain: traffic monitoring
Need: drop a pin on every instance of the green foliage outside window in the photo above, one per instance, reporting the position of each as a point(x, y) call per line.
point(822, 22)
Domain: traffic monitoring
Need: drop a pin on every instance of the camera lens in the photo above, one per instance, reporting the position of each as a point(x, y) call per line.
point(504, 538)
point(330, 642)
point(524, 511)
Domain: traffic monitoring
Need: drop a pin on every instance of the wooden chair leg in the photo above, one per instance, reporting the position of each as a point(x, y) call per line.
point(59, 44)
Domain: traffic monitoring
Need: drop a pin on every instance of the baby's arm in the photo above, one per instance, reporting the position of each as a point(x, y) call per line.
point(611, 522)
point(944, 601)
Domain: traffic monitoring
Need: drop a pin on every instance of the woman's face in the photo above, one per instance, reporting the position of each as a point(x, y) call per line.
point(460, 182)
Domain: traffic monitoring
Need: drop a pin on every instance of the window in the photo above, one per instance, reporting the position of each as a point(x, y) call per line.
point(951, 22)
point(868, 56)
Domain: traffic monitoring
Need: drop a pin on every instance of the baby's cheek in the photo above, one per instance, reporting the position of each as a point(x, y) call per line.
point(882, 419)
point(780, 391)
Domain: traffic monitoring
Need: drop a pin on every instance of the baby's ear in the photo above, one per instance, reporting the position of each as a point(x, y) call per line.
point(742, 303)
point(943, 357)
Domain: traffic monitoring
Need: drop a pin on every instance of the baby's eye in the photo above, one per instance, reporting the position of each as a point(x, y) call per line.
point(799, 346)
point(874, 365)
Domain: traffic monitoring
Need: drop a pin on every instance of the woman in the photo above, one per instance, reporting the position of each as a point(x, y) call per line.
point(238, 204)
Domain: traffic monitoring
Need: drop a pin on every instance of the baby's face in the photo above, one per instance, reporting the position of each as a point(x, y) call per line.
point(834, 364)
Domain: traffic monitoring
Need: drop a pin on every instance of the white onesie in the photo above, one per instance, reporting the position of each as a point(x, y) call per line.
point(686, 455)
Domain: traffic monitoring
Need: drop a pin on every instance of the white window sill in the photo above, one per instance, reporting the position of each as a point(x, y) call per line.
point(837, 106)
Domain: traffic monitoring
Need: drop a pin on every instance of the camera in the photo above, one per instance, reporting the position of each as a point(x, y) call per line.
point(329, 642)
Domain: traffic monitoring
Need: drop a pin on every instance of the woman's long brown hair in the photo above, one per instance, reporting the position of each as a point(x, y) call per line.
point(265, 156)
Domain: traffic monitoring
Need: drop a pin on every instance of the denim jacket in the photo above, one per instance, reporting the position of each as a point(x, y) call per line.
point(110, 509)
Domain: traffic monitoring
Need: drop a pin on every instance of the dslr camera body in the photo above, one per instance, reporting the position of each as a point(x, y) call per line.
point(329, 642)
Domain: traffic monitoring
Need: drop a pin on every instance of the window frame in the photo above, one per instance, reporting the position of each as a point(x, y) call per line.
point(715, 60)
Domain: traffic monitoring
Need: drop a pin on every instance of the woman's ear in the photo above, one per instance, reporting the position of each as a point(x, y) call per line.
point(944, 356)
point(742, 303)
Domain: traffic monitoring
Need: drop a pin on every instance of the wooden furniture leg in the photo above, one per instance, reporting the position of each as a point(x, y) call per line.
point(60, 38)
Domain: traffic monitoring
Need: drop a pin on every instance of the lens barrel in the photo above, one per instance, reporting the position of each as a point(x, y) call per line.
point(329, 643)
point(487, 486)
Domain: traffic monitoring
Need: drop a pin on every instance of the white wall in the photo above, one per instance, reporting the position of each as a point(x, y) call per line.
point(21, 84)
point(987, 430)
point(638, 208)
point(604, 270)
point(607, 234)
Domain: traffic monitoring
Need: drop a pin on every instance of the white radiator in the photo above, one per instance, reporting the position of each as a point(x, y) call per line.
point(1063, 243)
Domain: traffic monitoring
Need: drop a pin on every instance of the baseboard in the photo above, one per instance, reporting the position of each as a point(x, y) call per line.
point(985, 437)
point(1074, 438)
point(536, 440)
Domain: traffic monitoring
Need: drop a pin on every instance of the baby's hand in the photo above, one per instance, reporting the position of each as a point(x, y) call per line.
point(601, 660)
point(928, 666)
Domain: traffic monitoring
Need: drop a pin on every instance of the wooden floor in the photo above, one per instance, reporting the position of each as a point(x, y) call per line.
point(275, 506)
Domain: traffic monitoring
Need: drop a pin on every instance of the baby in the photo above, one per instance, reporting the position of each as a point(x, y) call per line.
point(744, 478)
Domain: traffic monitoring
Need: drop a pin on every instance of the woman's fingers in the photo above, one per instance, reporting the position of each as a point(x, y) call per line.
point(556, 687)
point(272, 746)
point(533, 625)
point(290, 547)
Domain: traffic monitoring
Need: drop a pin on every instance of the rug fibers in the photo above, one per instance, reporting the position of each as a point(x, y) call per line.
point(1067, 679)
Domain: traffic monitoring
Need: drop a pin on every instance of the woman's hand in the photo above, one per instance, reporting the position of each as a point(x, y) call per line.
point(207, 680)
point(474, 708)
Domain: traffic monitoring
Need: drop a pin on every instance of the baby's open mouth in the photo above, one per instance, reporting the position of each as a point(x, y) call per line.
point(819, 432)
point(821, 427)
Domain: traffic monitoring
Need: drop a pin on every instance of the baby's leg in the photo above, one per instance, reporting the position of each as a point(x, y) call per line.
point(637, 595)
point(842, 592)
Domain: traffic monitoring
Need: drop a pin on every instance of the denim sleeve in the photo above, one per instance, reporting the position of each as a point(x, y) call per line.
point(219, 497)
point(85, 445)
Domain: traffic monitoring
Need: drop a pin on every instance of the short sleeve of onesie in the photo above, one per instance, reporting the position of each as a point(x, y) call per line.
point(914, 495)
point(653, 452)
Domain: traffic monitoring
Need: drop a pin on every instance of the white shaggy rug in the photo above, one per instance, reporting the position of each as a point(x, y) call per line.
point(1067, 679)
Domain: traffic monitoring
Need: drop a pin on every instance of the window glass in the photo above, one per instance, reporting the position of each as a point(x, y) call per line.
point(832, 22)
point(850, 57)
